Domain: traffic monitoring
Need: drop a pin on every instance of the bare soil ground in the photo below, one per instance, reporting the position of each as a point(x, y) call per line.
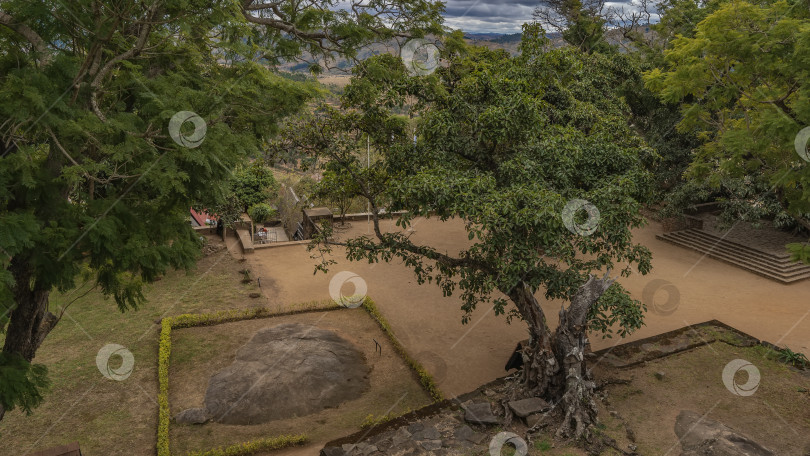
point(429, 324)
point(198, 353)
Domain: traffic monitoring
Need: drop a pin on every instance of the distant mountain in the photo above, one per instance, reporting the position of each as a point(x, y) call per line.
point(506, 41)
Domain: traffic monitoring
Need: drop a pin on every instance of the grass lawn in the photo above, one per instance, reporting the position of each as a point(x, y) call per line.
point(111, 417)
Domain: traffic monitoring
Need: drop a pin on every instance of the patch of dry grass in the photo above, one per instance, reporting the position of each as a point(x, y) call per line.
point(110, 417)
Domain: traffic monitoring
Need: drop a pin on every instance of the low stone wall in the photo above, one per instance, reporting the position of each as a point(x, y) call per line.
point(205, 229)
point(244, 239)
point(270, 245)
point(681, 223)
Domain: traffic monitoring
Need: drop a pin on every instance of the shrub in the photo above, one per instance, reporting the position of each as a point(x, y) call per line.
point(424, 376)
point(261, 212)
point(254, 446)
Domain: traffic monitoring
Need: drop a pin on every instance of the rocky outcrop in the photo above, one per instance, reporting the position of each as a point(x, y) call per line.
point(703, 437)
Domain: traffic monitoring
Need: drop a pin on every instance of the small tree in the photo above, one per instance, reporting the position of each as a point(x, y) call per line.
point(261, 212)
point(254, 184)
point(338, 188)
point(511, 146)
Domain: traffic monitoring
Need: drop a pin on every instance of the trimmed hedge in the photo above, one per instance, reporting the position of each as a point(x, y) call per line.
point(207, 319)
point(225, 316)
point(424, 376)
point(164, 351)
point(248, 448)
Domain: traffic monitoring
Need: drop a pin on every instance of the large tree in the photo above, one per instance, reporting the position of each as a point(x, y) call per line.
point(513, 147)
point(116, 116)
point(740, 79)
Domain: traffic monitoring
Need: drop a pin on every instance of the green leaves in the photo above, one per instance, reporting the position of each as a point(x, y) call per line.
point(91, 175)
point(254, 184)
point(740, 77)
point(503, 144)
point(21, 383)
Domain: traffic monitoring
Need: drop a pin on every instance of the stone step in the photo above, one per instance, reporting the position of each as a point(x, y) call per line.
point(780, 258)
point(756, 261)
point(745, 263)
point(759, 258)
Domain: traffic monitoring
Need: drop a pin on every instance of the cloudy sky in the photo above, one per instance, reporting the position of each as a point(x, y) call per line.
point(499, 16)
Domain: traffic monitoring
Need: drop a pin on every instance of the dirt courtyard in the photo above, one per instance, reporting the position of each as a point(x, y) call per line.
point(429, 325)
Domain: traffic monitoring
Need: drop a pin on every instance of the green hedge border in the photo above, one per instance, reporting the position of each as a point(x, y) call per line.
point(248, 448)
point(423, 375)
point(226, 316)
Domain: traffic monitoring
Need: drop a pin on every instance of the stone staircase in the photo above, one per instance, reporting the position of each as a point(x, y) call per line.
point(770, 265)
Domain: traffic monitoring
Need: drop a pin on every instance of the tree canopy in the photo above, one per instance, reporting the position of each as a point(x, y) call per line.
point(742, 84)
point(535, 155)
point(115, 117)
point(254, 184)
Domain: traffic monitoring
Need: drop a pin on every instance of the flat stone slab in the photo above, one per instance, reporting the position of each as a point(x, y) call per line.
point(427, 433)
point(480, 413)
point(466, 433)
point(700, 436)
point(530, 406)
point(401, 436)
point(287, 371)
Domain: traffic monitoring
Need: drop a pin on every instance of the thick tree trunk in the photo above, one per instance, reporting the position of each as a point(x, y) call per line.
point(554, 366)
point(574, 383)
point(29, 321)
point(540, 366)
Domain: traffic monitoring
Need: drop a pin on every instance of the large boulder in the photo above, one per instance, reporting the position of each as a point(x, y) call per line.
point(703, 437)
point(286, 371)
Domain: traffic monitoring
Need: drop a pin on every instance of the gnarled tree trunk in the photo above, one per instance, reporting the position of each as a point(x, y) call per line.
point(575, 382)
point(29, 321)
point(554, 365)
point(540, 366)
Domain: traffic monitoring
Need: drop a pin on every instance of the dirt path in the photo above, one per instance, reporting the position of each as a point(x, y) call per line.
point(430, 324)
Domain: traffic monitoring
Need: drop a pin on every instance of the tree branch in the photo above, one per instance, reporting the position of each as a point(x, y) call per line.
point(26, 32)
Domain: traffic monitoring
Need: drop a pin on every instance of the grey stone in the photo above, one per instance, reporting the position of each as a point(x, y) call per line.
point(463, 432)
point(467, 434)
point(348, 447)
point(415, 427)
point(285, 371)
point(533, 420)
point(703, 437)
point(192, 416)
point(431, 445)
point(364, 449)
point(659, 375)
point(526, 407)
point(428, 433)
point(401, 436)
point(333, 451)
point(480, 413)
